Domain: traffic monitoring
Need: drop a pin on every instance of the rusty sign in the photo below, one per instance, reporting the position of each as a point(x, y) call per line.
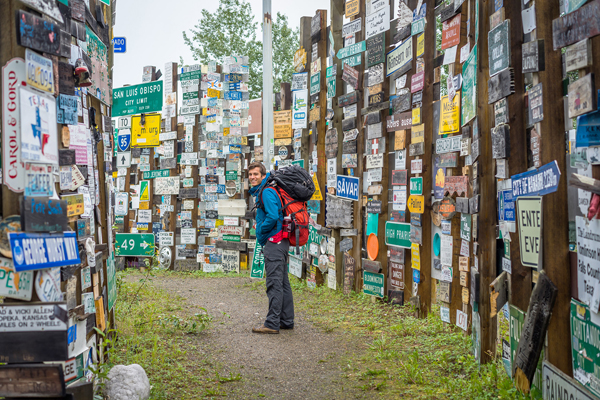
point(350, 76)
point(456, 184)
point(445, 208)
point(347, 99)
point(349, 267)
point(399, 177)
point(580, 24)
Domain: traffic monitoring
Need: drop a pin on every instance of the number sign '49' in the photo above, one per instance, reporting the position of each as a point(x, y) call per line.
point(134, 244)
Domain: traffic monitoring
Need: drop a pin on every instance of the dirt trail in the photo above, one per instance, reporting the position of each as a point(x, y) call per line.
point(300, 364)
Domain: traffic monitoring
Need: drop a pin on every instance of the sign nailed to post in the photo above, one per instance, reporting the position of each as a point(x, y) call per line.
point(135, 99)
point(529, 215)
point(134, 244)
point(348, 187)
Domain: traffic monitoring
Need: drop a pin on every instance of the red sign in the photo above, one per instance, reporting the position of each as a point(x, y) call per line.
point(396, 274)
point(456, 184)
point(451, 32)
point(417, 82)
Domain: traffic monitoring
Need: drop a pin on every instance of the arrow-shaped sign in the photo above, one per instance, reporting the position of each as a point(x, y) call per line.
point(144, 245)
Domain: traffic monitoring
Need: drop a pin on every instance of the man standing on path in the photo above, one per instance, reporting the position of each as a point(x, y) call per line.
point(269, 233)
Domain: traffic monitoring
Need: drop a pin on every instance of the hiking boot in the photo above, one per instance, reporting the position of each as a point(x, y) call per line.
point(264, 329)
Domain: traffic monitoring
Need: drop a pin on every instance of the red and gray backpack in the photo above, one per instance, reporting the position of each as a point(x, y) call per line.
point(295, 187)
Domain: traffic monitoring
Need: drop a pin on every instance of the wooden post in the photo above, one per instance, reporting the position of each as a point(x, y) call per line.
point(359, 223)
point(305, 43)
point(487, 215)
point(555, 232)
point(337, 12)
point(171, 217)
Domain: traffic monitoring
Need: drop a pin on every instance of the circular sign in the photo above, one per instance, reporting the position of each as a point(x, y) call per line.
point(323, 246)
point(372, 246)
point(283, 152)
point(164, 257)
point(230, 188)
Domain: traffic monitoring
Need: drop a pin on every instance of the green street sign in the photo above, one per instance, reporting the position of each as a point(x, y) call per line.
point(353, 61)
point(111, 281)
point(373, 284)
point(348, 51)
point(137, 99)
point(190, 95)
point(416, 185)
point(397, 234)
point(159, 173)
point(417, 27)
point(134, 244)
point(231, 175)
point(298, 162)
point(331, 87)
point(188, 76)
point(315, 83)
point(258, 263)
point(232, 238)
point(585, 345)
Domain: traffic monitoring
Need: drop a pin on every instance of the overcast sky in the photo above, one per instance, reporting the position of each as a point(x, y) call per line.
point(153, 29)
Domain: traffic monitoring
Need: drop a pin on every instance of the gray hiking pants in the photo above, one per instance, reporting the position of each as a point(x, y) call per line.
point(279, 291)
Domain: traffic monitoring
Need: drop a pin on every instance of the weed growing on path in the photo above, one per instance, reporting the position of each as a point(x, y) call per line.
point(405, 357)
point(158, 331)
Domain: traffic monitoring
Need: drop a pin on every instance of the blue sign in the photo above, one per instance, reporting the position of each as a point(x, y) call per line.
point(119, 45)
point(588, 129)
point(124, 140)
point(506, 206)
point(221, 189)
point(420, 14)
point(33, 251)
point(233, 95)
point(212, 102)
point(416, 276)
point(235, 148)
point(537, 182)
point(235, 85)
point(347, 187)
point(233, 77)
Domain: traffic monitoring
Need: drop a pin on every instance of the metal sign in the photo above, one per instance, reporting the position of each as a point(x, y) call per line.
point(499, 48)
point(529, 214)
point(40, 73)
point(348, 187)
point(397, 234)
point(416, 186)
point(400, 57)
point(585, 346)
point(373, 284)
point(134, 244)
point(119, 44)
point(136, 99)
point(537, 182)
point(558, 385)
point(416, 204)
point(31, 251)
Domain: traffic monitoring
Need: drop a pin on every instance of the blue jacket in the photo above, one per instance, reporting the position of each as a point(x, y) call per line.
point(269, 220)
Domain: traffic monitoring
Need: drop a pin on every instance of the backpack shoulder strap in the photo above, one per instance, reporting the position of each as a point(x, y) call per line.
point(262, 206)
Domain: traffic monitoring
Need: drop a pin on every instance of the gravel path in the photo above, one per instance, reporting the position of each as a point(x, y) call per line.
point(300, 364)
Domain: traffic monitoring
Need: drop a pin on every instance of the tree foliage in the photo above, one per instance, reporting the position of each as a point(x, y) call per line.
point(232, 30)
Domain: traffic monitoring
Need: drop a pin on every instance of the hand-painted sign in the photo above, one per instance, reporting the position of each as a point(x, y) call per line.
point(42, 214)
point(575, 26)
point(378, 22)
point(38, 33)
point(588, 271)
point(397, 234)
point(451, 32)
point(136, 99)
point(32, 251)
point(134, 244)
point(15, 285)
point(348, 187)
point(537, 182)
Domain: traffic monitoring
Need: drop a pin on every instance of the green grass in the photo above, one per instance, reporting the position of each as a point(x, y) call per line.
point(404, 357)
point(163, 334)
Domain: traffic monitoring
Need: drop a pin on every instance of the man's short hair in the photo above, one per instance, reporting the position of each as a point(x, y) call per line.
point(263, 170)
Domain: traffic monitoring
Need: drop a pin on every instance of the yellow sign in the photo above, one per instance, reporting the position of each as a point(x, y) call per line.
point(352, 8)
point(415, 256)
point(219, 222)
point(147, 135)
point(300, 60)
point(416, 116)
point(314, 114)
point(450, 114)
point(213, 93)
point(225, 131)
point(400, 140)
point(244, 140)
point(145, 191)
point(282, 124)
point(317, 195)
point(420, 45)
point(418, 134)
point(144, 205)
point(74, 204)
point(416, 204)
